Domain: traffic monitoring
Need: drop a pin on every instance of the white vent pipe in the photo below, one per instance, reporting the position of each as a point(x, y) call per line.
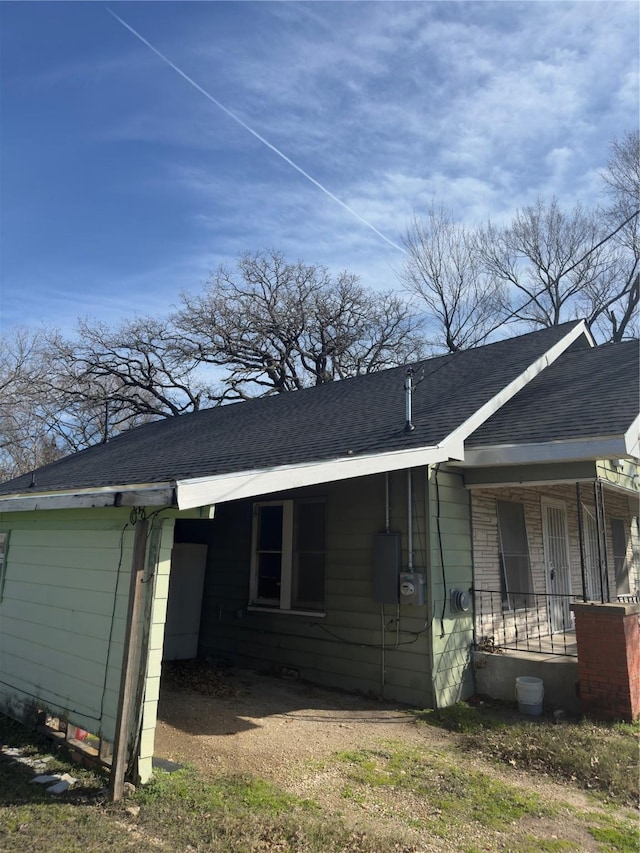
point(408, 404)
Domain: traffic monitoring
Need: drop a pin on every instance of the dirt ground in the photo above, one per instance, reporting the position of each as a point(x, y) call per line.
point(245, 721)
point(240, 721)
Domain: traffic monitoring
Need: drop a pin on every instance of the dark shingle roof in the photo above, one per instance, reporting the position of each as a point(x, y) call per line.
point(584, 394)
point(363, 415)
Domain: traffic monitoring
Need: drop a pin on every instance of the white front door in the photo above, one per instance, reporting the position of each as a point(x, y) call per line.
point(558, 571)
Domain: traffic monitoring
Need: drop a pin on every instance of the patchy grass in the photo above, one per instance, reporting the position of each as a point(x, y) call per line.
point(532, 844)
point(616, 839)
point(449, 793)
point(399, 799)
point(596, 756)
point(613, 835)
point(244, 813)
point(463, 717)
point(177, 811)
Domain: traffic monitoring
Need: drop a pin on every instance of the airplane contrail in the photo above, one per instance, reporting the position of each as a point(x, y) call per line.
point(253, 132)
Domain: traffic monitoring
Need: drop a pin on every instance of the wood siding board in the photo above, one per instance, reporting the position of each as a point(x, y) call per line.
point(58, 689)
point(69, 559)
point(59, 640)
point(96, 581)
point(96, 604)
point(79, 624)
point(84, 669)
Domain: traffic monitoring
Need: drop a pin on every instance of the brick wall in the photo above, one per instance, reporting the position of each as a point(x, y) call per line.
point(608, 637)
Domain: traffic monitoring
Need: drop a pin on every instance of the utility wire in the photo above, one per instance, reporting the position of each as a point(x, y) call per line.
point(254, 133)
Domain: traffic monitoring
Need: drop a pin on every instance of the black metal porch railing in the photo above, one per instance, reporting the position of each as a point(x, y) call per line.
point(530, 622)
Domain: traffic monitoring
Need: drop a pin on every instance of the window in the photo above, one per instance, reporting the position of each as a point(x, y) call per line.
point(620, 562)
point(287, 566)
point(591, 555)
point(4, 548)
point(515, 566)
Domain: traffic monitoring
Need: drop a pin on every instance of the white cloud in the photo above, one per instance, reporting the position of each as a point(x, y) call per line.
point(482, 106)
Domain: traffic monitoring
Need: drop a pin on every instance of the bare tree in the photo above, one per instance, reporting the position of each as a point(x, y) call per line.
point(106, 380)
point(616, 313)
point(276, 326)
point(26, 440)
point(622, 175)
point(444, 269)
point(548, 258)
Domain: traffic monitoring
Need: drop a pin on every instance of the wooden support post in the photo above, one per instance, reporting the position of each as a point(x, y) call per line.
point(128, 676)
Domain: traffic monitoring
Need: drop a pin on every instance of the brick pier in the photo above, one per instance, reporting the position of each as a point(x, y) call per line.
point(608, 638)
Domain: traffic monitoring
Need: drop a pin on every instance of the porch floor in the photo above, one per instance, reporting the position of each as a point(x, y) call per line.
point(553, 645)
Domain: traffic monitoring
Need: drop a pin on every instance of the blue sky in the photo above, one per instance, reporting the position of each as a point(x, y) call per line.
point(122, 184)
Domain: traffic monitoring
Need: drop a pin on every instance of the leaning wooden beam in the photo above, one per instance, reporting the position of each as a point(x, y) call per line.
point(128, 677)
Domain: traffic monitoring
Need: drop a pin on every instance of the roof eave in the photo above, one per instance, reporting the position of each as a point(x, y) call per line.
point(571, 450)
point(142, 494)
point(201, 491)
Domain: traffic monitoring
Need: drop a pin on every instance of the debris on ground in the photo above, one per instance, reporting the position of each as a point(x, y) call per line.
point(62, 782)
point(38, 763)
point(58, 782)
point(196, 676)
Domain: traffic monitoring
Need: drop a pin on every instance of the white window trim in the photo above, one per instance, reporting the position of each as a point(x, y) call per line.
point(509, 594)
point(286, 567)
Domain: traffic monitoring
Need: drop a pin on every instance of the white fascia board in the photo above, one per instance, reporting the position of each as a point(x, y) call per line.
point(632, 439)
point(145, 494)
point(201, 491)
point(491, 407)
point(574, 450)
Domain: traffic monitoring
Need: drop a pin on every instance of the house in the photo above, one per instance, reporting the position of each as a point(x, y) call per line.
point(331, 533)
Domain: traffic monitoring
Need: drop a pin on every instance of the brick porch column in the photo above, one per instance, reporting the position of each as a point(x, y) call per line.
point(608, 638)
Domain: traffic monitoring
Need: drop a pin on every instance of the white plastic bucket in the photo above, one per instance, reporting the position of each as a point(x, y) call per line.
point(529, 693)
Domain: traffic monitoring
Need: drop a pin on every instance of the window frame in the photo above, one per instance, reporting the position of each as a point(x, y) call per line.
point(621, 573)
point(590, 547)
point(288, 563)
point(514, 601)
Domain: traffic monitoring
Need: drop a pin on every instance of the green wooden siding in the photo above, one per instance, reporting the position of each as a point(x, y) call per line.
point(65, 599)
point(450, 542)
point(63, 616)
point(344, 647)
point(625, 474)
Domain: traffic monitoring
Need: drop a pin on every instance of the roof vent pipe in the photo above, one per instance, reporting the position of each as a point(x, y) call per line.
point(408, 392)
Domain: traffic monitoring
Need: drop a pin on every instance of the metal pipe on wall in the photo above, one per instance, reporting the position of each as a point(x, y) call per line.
point(409, 521)
point(387, 505)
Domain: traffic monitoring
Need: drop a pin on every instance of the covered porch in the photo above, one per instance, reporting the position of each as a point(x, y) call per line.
point(541, 544)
